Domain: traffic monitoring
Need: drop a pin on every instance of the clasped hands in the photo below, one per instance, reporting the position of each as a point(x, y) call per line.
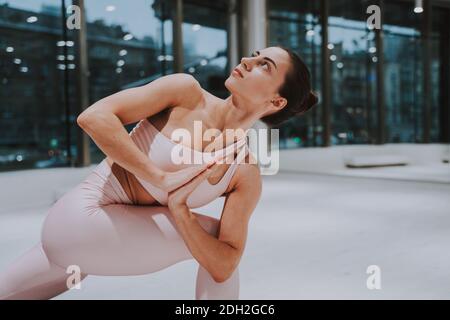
point(180, 184)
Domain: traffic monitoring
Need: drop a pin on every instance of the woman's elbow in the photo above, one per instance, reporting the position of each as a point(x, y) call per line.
point(93, 112)
point(91, 117)
point(81, 122)
point(84, 118)
point(220, 278)
point(225, 274)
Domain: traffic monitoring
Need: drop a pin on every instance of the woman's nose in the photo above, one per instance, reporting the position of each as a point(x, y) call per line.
point(245, 62)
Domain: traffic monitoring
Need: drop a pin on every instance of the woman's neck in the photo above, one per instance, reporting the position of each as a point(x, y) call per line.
point(233, 114)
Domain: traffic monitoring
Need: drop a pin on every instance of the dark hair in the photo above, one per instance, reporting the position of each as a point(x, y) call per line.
point(296, 89)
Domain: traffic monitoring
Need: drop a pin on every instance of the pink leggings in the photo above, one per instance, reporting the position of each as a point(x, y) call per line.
point(95, 227)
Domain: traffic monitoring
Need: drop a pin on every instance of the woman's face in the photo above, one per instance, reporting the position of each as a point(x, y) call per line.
point(258, 78)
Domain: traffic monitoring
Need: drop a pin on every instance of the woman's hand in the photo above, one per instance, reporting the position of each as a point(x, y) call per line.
point(179, 196)
point(194, 176)
point(169, 181)
point(173, 180)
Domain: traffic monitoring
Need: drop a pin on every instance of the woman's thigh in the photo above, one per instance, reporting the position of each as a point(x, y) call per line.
point(113, 239)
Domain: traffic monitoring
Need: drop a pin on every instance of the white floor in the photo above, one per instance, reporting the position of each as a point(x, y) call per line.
point(311, 237)
point(434, 172)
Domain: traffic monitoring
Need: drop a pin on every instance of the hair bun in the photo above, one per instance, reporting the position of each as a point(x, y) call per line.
point(311, 100)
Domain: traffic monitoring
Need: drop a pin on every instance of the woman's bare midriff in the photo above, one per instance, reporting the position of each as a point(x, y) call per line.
point(132, 187)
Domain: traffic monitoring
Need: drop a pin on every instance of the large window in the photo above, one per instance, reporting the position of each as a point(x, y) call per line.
point(440, 75)
point(32, 106)
point(403, 81)
point(205, 44)
point(353, 58)
point(296, 25)
point(354, 67)
point(129, 44)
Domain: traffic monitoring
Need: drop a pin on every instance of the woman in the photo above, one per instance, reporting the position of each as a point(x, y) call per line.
point(132, 215)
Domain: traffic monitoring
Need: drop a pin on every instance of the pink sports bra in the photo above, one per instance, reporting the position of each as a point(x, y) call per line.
point(159, 148)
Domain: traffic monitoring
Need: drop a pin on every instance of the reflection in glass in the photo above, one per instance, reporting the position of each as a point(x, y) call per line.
point(438, 57)
point(403, 77)
point(32, 114)
point(205, 46)
point(130, 44)
point(353, 58)
point(126, 47)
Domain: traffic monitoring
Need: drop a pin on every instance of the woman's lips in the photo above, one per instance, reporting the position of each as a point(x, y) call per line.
point(238, 72)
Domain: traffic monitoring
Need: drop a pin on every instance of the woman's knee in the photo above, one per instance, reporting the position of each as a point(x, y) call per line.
point(208, 289)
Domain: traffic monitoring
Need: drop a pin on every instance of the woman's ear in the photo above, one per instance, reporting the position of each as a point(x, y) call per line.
point(279, 103)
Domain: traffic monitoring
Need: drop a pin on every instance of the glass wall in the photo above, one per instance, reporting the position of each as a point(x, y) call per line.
point(440, 59)
point(353, 58)
point(205, 44)
point(129, 44)
point(435, 74)
point(296, 25)
point(403, 75)
point(33, 118)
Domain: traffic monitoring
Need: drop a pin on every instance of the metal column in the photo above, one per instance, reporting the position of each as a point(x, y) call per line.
point(66, 87)
point(177, 19)
point(326, 83)
point(379, 40)
point(254, 26)
point(81, 56)
point(232, 35)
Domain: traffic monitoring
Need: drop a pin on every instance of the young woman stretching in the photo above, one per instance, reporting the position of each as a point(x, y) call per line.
point(132, 214)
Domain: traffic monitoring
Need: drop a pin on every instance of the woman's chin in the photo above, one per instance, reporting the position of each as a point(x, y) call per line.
point(231, 84)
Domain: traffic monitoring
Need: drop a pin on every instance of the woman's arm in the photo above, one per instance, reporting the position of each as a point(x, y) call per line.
point(221, 255)
point(104, 121)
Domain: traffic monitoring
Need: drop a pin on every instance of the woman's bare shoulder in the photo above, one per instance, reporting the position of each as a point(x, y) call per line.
point(248, 174)
point(192, 92)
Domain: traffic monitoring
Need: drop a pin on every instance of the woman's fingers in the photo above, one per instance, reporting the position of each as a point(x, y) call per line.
point(192, 172)
point(191, 184)
point(180, 195)
point(178, 178)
